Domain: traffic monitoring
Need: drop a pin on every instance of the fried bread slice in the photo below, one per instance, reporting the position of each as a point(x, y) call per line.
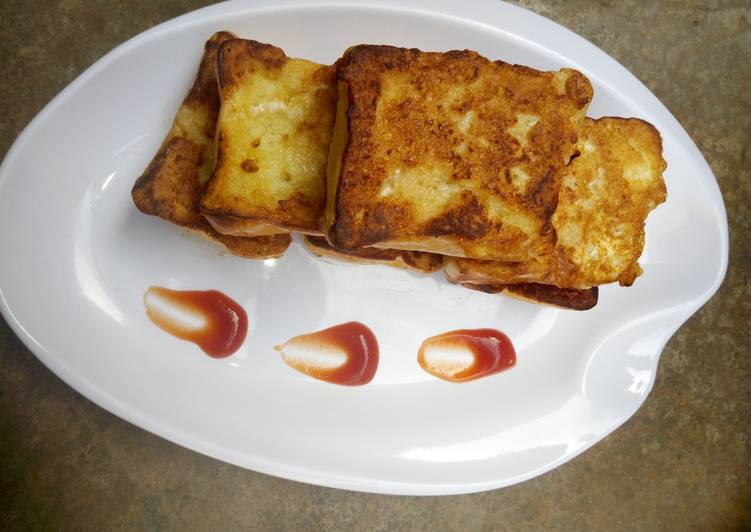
point(419, 261)
point(171, 184)
point(449, 153)
point(273, 135)
point(608, 191)
point(565, 298)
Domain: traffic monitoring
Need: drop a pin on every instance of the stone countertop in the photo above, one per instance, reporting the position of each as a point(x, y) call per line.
point(682, 462)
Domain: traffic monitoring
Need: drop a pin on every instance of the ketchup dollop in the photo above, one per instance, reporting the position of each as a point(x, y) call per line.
point(344, 354)
point(208, 318)
point(468, 354)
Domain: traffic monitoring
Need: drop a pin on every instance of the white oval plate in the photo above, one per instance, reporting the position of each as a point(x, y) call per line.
point(77, 258)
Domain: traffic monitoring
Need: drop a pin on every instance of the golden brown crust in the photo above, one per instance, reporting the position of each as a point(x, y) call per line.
point(236, 57)
point(413, 260)
point(204, 91)
point(607, 193)
point(606, 196)
point(171, 184)
point(452, 146)
point(257, 247)
point(565, 298)
point(169, 187)
point(273, 135)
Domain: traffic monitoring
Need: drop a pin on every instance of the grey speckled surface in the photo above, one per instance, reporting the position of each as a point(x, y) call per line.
point(681, 463)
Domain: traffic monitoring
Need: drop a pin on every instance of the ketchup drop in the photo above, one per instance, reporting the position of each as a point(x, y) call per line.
point(468, 354)
point(208, 318)
point(345, 354)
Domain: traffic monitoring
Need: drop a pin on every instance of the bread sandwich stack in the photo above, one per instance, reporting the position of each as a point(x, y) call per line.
point(422, 160)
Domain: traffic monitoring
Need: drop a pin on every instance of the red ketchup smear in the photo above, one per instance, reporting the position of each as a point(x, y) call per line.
point(208, 318)
point(345, 354)
point(491, 352)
